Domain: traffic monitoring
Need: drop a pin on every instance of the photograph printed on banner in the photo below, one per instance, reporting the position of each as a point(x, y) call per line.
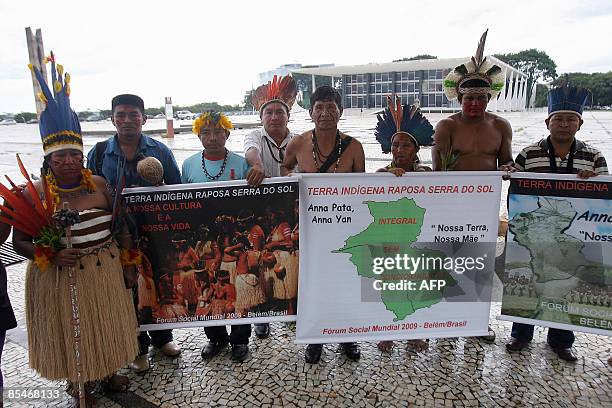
point(216, 253)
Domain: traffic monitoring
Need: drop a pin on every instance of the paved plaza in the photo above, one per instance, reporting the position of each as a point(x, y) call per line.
point(452, 373)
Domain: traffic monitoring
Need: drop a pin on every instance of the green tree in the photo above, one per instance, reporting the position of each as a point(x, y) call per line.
point(417, 57)
point(535, 63)
point(540, 96)
point(24, 117)
point(600, 85)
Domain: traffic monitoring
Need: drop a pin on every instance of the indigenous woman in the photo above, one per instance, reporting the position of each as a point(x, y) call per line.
point(402, 130)
point(84, 275)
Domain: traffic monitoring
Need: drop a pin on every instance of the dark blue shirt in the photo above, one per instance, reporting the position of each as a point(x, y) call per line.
point(115, 165)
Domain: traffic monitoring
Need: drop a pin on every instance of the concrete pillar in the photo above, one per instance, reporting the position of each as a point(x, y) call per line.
point(36, 53)
point(508, 102)
point(314, 84)
point(169, 118)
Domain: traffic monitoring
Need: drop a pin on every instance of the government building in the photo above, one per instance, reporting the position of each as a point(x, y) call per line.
point(367, 86)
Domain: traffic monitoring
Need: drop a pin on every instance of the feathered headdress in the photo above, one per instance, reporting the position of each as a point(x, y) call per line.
point(567, 99)
point(217, 119)
point(59, 124)
point(484, 77)
point(407, 119)
point(280, 89)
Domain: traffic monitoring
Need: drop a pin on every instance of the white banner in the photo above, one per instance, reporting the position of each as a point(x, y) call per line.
point(389, 258)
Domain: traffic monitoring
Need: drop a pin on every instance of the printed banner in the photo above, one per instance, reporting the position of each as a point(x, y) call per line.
point(559, 252)
point(387, 257)
point(216, 253)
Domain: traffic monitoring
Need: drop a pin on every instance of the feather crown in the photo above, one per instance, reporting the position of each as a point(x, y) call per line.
point(59, 124)
point(280, 89)
point(486, 77)
point(216, 119)
point(407, 119)
point(567, 99)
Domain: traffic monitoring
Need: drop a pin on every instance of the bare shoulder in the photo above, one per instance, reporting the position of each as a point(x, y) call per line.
point(99, 181)
point(299, 140)
point(447, 123)
point(354, 143)
point(499, 122)
point(444, 128)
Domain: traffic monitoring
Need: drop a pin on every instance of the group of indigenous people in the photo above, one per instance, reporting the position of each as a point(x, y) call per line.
point(86, 253)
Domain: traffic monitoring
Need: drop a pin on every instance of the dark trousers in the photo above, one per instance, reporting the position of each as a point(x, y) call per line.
point(157, 338)
point(2, 336)
point(218, 334)
point(556, 338)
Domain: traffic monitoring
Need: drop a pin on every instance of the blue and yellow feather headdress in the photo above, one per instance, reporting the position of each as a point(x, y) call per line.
point(407, 119)
point(59, 124)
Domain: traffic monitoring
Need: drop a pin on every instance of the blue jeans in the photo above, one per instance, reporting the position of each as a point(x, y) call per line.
point(557, 338)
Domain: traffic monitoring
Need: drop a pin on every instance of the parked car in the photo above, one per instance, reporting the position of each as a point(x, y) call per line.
point(184, 115)
point(7, 122)
point(159, 116)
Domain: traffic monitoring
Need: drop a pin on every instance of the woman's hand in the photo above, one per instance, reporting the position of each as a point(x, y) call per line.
point(67, 257)
point(397, 171)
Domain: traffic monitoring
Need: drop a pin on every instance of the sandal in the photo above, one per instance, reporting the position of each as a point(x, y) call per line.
point(116, 383)
point(385, 346)
point(90, 400)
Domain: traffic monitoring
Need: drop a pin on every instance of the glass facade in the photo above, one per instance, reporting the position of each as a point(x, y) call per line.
point(371, 90)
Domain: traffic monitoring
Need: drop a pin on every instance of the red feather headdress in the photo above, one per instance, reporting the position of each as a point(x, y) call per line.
point(280, 89)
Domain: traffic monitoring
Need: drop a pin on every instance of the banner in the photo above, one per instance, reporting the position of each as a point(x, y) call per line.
point(216, 253)
point(559, 252)
point(387, 257)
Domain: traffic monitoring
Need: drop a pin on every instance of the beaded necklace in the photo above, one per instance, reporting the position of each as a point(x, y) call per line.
point(316, 152)
point(207, 174)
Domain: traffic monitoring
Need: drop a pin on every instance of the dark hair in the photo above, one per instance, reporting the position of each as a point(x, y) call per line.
point(128, 99)
point(326, 93)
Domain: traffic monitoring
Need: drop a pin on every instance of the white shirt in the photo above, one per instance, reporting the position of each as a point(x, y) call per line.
point(268, 149)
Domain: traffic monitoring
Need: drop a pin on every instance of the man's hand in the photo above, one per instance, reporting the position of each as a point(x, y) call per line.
point(67, 257)
point(585, 174)
point(397, 171)
point(508, 168)
point(255, 175)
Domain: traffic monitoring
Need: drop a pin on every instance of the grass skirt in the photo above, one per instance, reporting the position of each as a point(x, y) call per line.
point(107, 318)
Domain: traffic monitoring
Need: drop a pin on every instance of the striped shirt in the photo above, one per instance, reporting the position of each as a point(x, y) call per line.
point(92, 229)
point(534, 158)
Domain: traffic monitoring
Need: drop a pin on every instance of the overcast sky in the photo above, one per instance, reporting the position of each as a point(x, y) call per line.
point(199, 51)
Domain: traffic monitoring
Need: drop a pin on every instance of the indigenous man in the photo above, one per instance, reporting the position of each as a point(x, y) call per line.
point(325, 150)
point(473, 139)
point(265, 148)
point(115, 159)
point(560, 152)
point(216, 163)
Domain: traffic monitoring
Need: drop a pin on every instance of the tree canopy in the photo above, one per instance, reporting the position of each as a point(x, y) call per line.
point(535, 63)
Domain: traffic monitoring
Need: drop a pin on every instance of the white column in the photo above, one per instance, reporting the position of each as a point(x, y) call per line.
point(508, 101)
point(313, 83)
point(524, 94)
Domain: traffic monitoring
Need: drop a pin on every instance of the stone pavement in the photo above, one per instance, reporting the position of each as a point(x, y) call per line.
point(452, 373)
